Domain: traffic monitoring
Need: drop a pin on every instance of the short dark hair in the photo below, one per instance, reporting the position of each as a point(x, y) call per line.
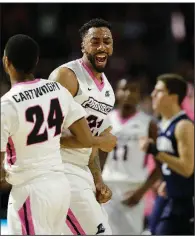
point(22, 51)
point(96, 22)
point(175, 84)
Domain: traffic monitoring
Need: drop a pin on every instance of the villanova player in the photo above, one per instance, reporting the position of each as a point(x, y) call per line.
point(86, 81)
point(175, 153)
point(160, 202)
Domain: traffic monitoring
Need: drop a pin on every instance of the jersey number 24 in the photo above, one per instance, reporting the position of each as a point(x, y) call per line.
point(35, 115)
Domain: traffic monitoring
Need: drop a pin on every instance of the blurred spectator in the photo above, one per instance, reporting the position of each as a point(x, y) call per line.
point(188, 102)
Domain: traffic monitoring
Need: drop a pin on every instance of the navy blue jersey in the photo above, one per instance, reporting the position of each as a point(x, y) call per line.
point(177, 185)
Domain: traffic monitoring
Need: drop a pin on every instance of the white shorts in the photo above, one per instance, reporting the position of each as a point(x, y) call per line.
point(123, 219)
point(40, 206)
point(86, 216)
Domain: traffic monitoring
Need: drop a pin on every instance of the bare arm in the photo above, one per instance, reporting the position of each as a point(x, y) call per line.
point(156, 173)
point(67, 79)
point(106, 143)
point(94, 166)
point(81, 136)
point(103, 193)
point(151, 180)
point(184, 164)
point(103, 156)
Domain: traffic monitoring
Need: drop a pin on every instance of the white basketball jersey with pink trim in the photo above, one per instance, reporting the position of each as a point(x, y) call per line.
point(32, 116)
point(96, 98)
point(126, 163)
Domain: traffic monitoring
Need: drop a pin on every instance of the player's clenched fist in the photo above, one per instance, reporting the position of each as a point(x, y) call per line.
point(103, 193)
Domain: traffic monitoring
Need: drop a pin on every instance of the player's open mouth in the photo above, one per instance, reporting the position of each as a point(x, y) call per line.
point(101, 59)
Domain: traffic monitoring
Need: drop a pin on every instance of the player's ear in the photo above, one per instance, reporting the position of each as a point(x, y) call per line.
point(6, 63)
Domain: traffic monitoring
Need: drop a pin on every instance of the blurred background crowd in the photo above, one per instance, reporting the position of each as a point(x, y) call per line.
point(149, 39)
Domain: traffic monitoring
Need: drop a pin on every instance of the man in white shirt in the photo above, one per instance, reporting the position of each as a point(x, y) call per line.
point(33, 113)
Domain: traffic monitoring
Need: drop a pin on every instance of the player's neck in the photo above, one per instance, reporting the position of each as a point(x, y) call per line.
point(17, 78)
point(170, 113)
point(97, 75)
point(126, 112)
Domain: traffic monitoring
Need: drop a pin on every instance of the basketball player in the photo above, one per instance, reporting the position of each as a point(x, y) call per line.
point(32, 115)
point(85, 79)
point(125, 167)
point(175, 152)
point(161, 200)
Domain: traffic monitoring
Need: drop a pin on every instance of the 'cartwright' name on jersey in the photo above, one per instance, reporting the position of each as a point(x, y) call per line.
point(98, 106)
point(36, 92)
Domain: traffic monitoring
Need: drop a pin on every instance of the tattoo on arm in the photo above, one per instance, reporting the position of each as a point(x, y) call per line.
point(94, 165)
point(97, 162)
point(102, 158)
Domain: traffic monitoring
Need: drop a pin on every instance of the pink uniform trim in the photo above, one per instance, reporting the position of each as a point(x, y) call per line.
point(27, 82)
point(74, 224)
point(99, 85)
point(11, 152)
point(26, 219)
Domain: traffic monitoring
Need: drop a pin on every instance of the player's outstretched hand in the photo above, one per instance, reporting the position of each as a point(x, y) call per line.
point(108, 141)
point(132, 198)
point(103, 193)
point(144, 143)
